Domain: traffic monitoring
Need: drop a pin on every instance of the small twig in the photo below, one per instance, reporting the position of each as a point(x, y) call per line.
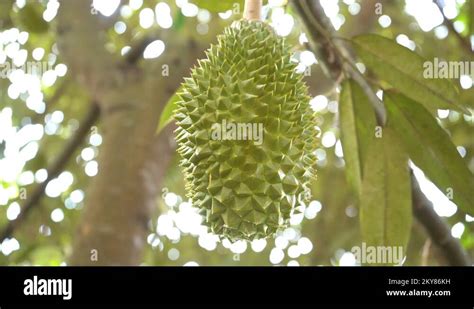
point(253, 10)
point(53, 170)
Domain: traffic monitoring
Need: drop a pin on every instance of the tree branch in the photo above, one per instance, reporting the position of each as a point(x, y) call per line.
point(339, 59)
point(137, 51)
point(318, 42)
point(52, 101)
point(437, 229)
point(53, 170)
point(465, 43)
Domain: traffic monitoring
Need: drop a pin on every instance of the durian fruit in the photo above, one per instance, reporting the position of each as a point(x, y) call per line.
point(244, 189)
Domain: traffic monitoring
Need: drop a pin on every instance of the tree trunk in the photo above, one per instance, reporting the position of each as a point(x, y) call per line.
point(121, 197)
point(132, 159)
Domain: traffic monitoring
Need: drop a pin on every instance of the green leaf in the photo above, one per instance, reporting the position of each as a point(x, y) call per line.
point(218, 6)
point(404, 70)
point(431, 149)
point(385, 208)
point(31, 18)
point(357, 123)
point(166, 116)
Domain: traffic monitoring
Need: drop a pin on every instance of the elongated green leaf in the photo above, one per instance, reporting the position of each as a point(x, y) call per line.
point(385, 208)
point(357, 123)
point(431, 149)
point(167, 114)
point(404, 70)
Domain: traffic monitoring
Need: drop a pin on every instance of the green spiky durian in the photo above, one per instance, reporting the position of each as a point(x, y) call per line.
point(246, 189)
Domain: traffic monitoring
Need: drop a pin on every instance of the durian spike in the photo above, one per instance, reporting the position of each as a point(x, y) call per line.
point(253, 9)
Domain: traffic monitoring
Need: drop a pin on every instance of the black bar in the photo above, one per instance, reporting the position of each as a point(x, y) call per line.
point(240, 285)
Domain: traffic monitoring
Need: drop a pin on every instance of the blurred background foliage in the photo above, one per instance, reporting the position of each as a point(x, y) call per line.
point(39, 113)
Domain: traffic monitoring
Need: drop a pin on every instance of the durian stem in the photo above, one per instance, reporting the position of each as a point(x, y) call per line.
point(253, 10)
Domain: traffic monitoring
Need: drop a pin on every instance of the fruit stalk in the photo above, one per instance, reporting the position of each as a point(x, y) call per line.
point(253, 9)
